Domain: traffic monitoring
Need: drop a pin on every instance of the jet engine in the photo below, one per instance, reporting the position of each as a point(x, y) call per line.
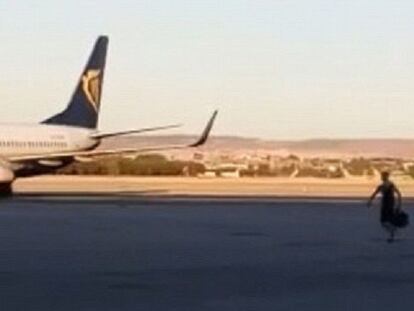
point(6, 175)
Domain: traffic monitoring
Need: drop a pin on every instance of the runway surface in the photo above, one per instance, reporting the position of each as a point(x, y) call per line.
point(132, 253)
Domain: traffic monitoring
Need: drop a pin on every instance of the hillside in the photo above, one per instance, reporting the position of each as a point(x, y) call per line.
point(315, 147)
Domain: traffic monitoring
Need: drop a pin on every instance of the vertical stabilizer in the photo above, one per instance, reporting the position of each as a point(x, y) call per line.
point(83, 108)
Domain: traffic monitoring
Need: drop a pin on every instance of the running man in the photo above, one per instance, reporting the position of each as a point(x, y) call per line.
point(388, 190)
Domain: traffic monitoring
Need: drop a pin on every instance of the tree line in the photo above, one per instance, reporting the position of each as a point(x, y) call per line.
point(142, 165)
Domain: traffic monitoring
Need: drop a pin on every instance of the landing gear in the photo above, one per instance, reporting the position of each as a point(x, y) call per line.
point(6, 190)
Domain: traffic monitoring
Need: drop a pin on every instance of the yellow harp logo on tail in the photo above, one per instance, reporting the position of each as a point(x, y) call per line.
point(90, 86)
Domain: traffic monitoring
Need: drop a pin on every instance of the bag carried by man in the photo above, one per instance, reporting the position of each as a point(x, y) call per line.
point(401, 219)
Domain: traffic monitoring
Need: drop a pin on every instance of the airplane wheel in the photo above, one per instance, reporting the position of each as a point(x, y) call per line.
point(6, 190)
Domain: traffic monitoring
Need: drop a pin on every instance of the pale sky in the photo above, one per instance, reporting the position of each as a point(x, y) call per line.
point(275, 69)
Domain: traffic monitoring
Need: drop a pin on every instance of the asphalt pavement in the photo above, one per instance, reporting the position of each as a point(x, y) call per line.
point(132, 253)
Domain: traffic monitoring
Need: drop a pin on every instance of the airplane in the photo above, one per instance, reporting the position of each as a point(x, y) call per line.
point(71, 135)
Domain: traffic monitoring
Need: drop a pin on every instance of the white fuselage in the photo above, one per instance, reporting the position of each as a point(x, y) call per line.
point(23, 139)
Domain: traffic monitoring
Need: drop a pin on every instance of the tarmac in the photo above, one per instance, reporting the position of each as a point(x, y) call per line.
point(211, 187)
point(119, 252)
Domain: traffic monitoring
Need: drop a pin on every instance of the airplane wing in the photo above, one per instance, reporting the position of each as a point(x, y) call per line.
point(100, 135)
point(71, 154)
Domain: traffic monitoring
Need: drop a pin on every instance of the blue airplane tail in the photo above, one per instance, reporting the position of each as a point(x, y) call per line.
point(83, 108)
